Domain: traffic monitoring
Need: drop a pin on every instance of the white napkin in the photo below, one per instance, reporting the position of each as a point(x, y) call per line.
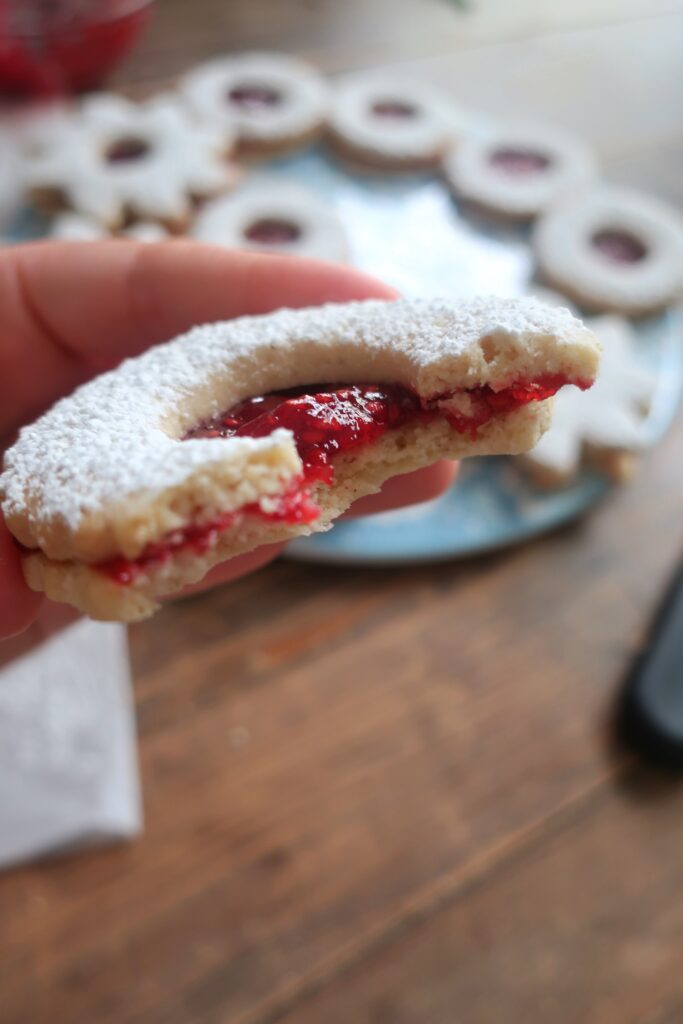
point(68, 769)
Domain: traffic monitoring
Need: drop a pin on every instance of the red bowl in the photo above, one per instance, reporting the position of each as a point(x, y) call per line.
point(65, 47)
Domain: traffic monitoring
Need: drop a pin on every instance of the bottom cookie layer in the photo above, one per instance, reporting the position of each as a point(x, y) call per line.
point(399, 451)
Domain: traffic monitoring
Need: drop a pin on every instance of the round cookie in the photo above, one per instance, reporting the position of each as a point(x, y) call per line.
point(72, 227)
point(275, 103)
point(518, 170)
point(274, 216)
point(613, 250)
point(385, 122)
point(116, 161)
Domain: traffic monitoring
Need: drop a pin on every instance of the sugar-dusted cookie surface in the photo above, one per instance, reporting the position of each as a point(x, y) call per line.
point(189, 454)
point(603, 425)
point(383, 121)
point(115, 160)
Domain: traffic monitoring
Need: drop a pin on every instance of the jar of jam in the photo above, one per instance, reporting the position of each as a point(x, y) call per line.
point(52, 47)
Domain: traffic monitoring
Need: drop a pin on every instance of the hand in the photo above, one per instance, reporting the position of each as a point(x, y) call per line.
point(71, 310)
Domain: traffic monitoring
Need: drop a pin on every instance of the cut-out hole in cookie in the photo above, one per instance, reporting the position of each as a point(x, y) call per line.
point(327, 420)
point(619, 246)
point(394, 110)
point(127, 149)
point(254, 97)
point(519, 162)
point(272, 231)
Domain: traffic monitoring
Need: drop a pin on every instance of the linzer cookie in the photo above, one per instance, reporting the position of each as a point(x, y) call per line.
point(273, 102)
point(266, 428)
point(117, 161)
point(274, 216)
point(386, 122)
point(516, 170)
point(613, 250)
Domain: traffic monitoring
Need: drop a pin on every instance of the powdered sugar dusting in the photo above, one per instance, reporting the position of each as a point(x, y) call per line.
point(111, 438)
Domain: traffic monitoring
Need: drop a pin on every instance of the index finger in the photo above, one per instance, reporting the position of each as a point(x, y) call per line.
point(73, 309)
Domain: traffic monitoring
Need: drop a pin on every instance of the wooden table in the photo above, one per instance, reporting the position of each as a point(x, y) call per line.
point(391, 797)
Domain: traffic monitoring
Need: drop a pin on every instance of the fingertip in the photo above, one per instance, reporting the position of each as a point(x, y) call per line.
point(312, 282)
point(210, 282)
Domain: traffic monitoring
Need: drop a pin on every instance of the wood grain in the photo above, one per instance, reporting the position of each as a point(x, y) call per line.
point(563, 930)
point(391, 796)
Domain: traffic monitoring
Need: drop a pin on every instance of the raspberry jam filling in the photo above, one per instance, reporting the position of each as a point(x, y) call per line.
point(254, 97)
point(326, 422)
point(292, 507)
point(125, 149)
point(394, 110)
point(519, 162)
point(619, 246)
point(272, 231)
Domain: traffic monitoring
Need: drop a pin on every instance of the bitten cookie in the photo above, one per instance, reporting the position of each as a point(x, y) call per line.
point(117, 161)
point(267, 428)
point(274, 103)
point(385, 122)
point(603, 426)
point(613, 250)
point(72, 227)
point(275, 216)
point(516, 170)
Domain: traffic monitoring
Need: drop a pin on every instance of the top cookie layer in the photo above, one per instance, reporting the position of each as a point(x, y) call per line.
point(115, 440)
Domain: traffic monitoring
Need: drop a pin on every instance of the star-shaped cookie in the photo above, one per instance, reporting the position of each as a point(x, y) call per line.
point(603, 425)
point(116, 160)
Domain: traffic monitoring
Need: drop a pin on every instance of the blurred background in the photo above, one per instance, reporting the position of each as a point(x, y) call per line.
point(372, 793)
